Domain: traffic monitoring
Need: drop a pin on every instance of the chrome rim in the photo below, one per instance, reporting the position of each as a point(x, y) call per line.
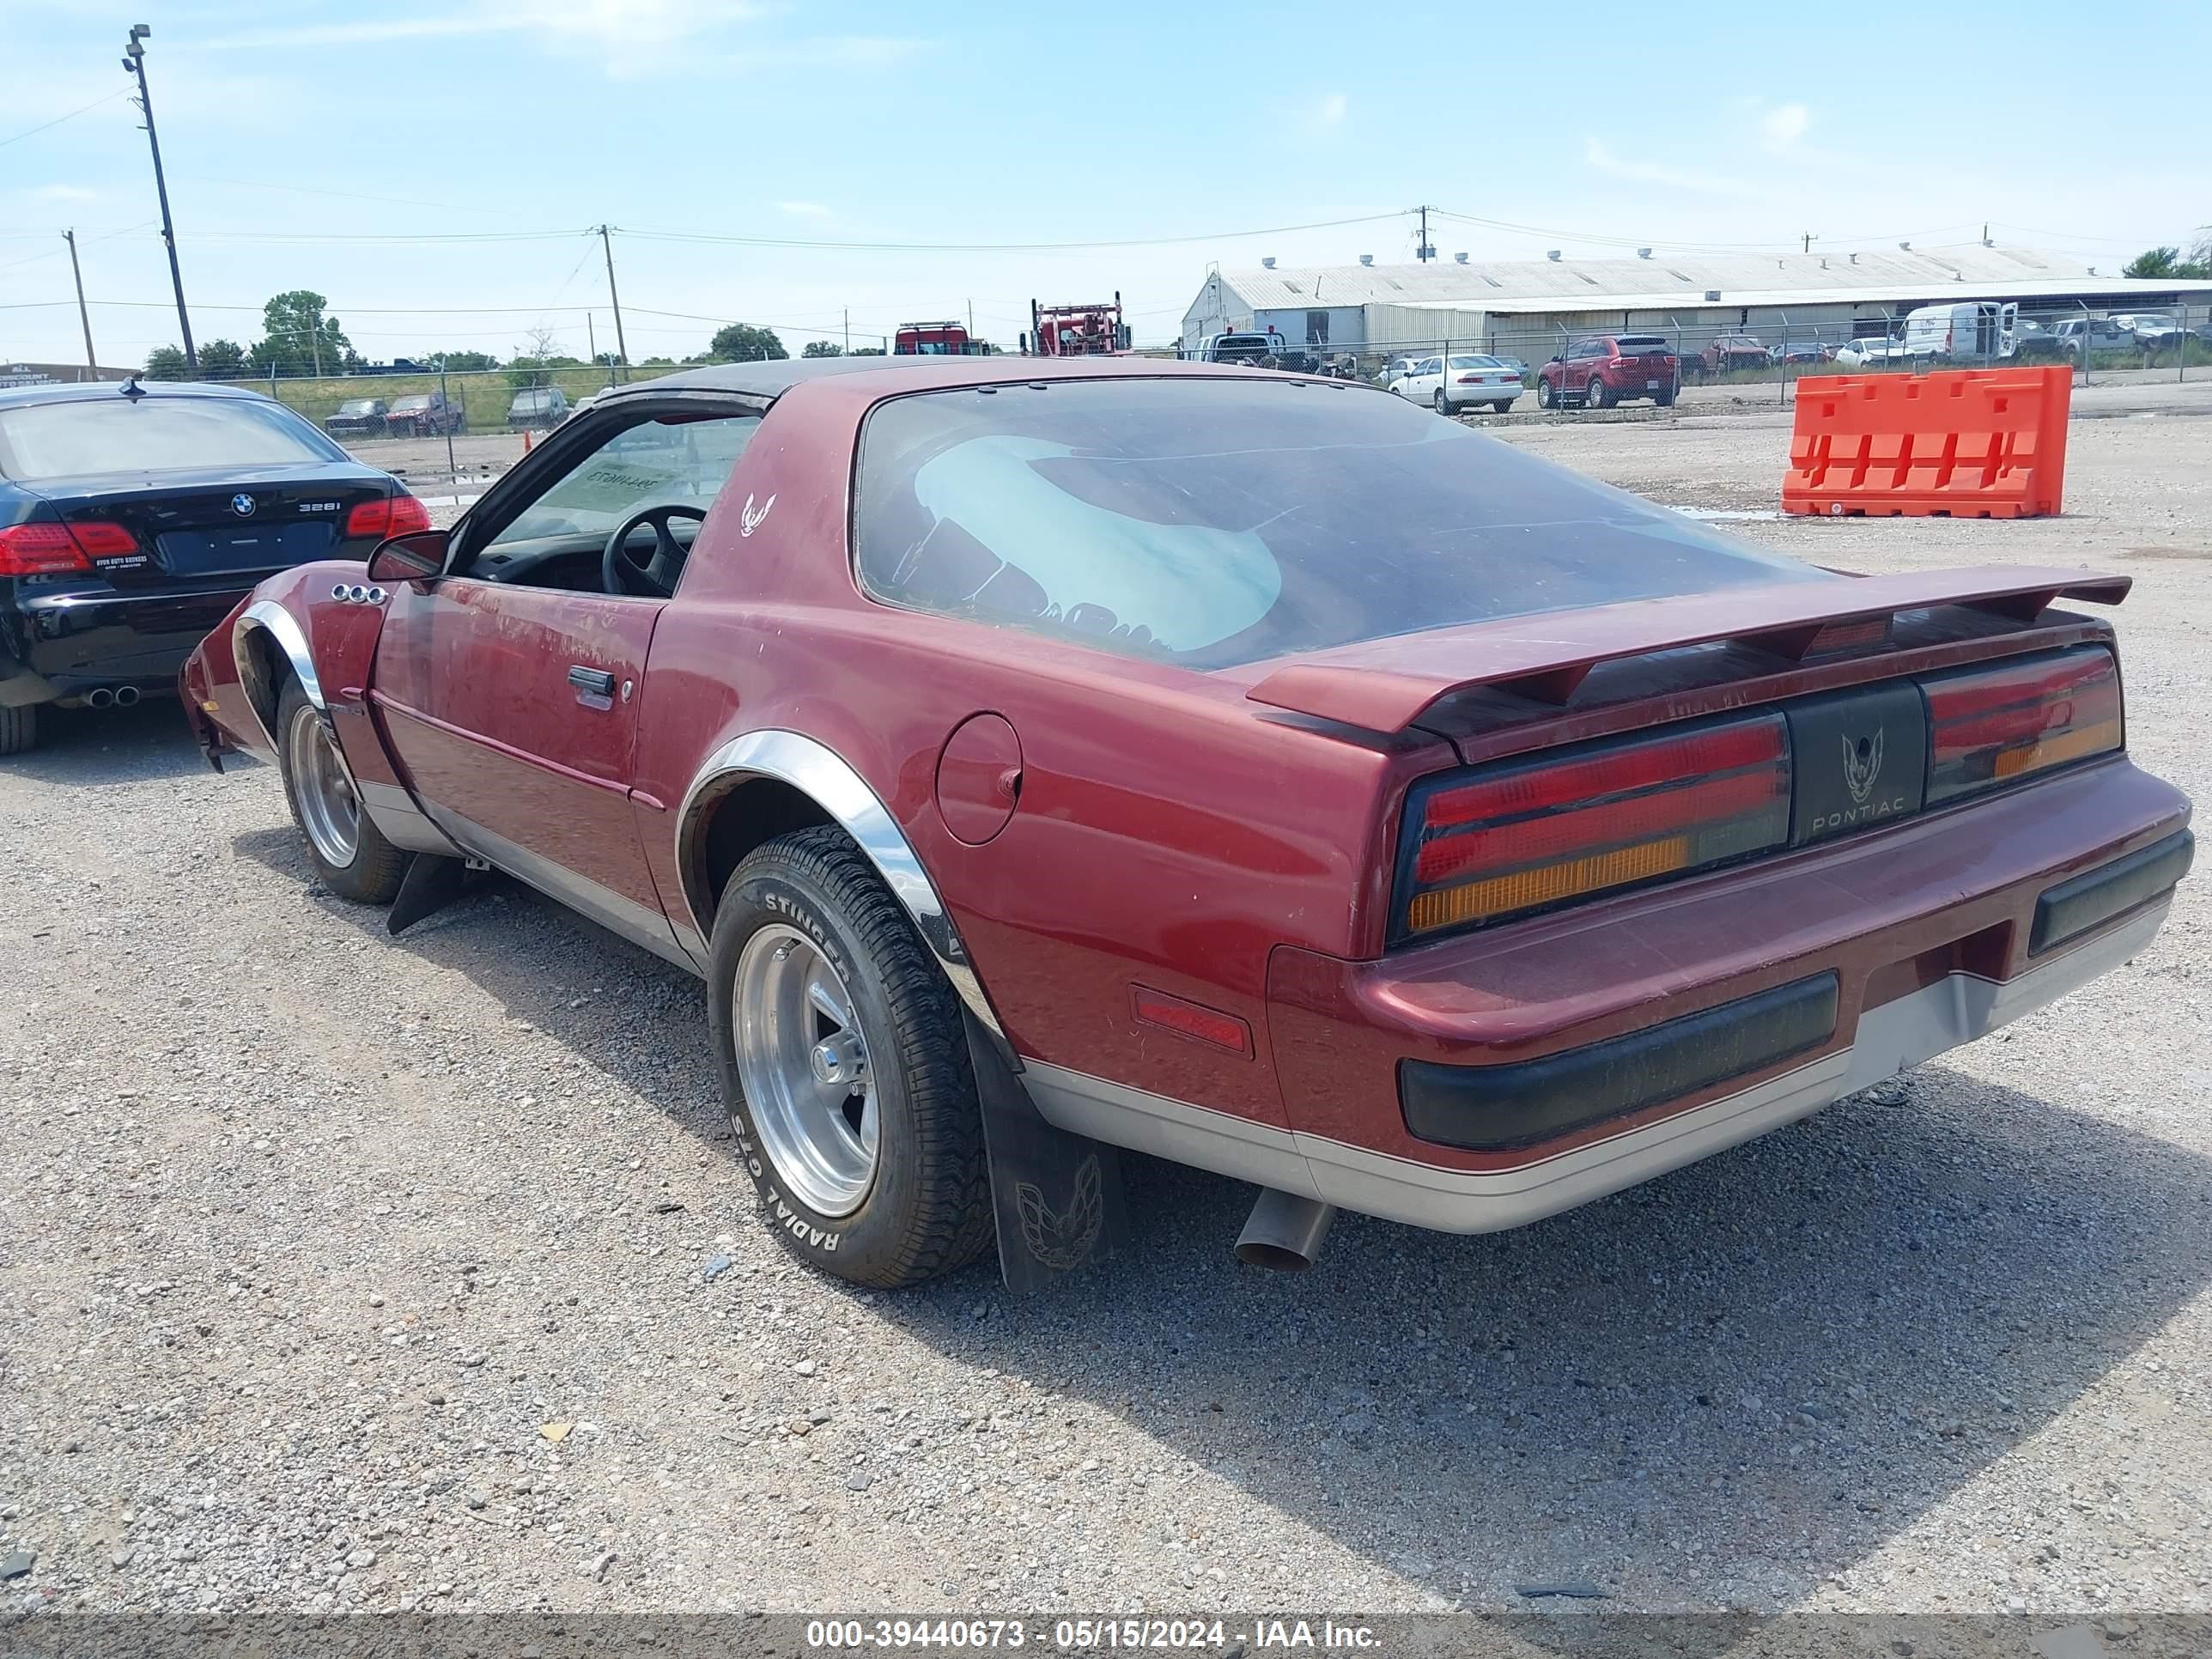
point(803, 1063)
point(330, 812)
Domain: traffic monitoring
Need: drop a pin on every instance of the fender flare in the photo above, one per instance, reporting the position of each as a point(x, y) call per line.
point(273, 619)
point(824, 777)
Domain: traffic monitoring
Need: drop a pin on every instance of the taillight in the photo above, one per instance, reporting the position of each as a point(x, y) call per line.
point(49, 550)
point(1518, 838)
point(395, 515)
point(1987, 726)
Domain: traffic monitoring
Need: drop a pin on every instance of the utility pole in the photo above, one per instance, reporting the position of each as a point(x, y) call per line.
point(848, 330)
point(82, 315)
point(1809, 241)
point(1424, 253)
point(134, 62)
point(971, 323)
point(591, 339)
point(622, 348)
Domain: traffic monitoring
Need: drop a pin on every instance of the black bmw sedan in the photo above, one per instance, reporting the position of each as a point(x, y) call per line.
point(133, 517)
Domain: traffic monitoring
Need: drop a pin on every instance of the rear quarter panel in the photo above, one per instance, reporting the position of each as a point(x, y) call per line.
point(1167, 833)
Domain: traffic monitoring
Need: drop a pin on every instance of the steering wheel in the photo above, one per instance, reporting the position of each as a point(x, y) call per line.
point(655, 578)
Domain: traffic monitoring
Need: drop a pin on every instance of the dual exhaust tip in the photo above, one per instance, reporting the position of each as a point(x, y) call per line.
point(1285, 1232)
point(122, 696)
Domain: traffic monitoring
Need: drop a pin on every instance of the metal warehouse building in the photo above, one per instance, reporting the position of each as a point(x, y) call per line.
point(1528, 308)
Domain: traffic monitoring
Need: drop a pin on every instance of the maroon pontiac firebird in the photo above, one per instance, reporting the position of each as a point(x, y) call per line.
point(1038, 759)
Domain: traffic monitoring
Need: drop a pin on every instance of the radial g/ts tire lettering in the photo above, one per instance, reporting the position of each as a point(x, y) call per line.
point(844, 1067)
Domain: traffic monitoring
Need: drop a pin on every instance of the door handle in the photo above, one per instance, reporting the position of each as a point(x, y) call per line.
point(595, 687)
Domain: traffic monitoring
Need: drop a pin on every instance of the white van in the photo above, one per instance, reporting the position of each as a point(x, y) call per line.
point(1971, 331)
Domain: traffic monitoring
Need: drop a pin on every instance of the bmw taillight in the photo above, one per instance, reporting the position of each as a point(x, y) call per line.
point(1987, 726)
point(395, 515)
point(1511, 839)
point(51, 549)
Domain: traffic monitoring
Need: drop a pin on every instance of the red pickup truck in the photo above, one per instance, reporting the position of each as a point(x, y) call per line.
point(1601, 370)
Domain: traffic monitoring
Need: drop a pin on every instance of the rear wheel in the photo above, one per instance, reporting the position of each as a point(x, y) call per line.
point(1505, 408)
point(1443, 407)
point(1597, 394)
point(19, 729)
point(350, 856)
point(845, 1068)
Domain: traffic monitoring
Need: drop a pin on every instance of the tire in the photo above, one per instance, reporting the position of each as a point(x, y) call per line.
point(1597, 394)
point(1505, 408)
point(363, 867)
point(1546, 398)
point(918, 1205)
point(1443, 403)
point(1664, 399)
point(19, 729)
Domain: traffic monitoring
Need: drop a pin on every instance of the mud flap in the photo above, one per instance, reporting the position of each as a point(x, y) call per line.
point(1056, 1197)
point(430, 885)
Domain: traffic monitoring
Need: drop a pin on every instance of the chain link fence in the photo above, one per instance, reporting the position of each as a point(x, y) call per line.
point(2173, 341)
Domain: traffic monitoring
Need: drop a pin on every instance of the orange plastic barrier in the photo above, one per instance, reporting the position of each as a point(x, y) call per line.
point(1966, 443)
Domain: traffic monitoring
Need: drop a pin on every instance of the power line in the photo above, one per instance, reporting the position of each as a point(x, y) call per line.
point(710, 237)
point(43, 126)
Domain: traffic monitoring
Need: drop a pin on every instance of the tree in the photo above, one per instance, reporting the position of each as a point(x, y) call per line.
point(298, 338)
point(461, 363)
point(867, 351)
point(165, 363)
point(658, 362)
point(741, 343)
point(2165, 263)
point(823, 349)
point(222, 359)
point(532, 359)
point(609, 359)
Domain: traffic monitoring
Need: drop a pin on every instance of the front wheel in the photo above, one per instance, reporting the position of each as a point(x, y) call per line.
point(350, 855)
point(844, 1067)
point(19, 729)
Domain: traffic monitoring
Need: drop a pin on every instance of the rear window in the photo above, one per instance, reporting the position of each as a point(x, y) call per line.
point(153, 434)
point(1209, 525)
point(1642, 343)
point(1476, 362)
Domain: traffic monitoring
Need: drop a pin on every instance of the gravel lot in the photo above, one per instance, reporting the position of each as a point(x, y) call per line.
point(346, 1273)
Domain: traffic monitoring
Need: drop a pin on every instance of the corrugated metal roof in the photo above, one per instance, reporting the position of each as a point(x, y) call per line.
point(1680, 279)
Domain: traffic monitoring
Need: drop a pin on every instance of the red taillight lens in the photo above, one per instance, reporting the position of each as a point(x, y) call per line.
point(396, 515)
point(1990, 725)
point(1523, 838)
point(49, 550)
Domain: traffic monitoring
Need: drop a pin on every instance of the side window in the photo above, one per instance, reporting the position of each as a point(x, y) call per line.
point(655, 463)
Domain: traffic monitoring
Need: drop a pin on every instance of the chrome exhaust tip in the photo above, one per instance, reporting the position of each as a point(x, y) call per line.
point(1284, 1232)
point(126, 696)
point(98, 697)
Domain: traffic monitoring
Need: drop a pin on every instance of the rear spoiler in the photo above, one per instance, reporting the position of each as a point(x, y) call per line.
point(1386, 685)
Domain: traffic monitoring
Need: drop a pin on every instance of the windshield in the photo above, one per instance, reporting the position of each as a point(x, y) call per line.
point(153, 434)
point(542, 398)
point(1210, 525)
point(358, 406)
point(402, 406)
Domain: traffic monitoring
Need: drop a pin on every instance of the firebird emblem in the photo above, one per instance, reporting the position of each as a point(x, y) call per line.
point(750, 519)
point(1063, 1242)
point(1859, 773)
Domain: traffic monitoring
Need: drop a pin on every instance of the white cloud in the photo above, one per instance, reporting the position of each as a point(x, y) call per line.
point(1781, 127)
point(627, 32)
point(1330, 113)
point(802, 210)
point(1655, 173)
point(65, 193)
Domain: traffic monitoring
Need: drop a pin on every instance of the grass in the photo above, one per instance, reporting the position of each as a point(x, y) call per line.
point(485, 395)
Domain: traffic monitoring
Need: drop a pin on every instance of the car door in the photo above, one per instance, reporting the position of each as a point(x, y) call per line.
point(510, 689)
point(1580, 356)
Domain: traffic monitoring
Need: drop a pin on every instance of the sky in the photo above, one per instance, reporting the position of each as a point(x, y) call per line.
point(434, 166)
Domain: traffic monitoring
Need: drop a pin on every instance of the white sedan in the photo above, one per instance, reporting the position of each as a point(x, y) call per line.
point(1449, 385)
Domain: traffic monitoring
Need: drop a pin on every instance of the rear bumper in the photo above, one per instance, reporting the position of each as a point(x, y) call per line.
point(80, 642)
point(1490, 1080)
point(1456, 395)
